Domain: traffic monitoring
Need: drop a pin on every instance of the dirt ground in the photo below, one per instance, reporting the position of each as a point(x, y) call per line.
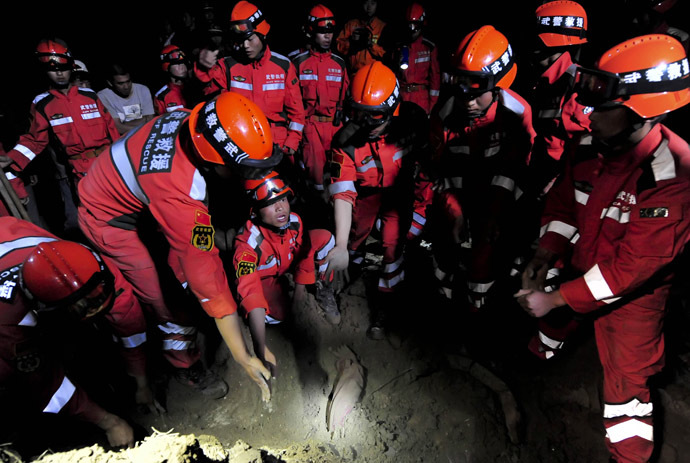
point(441, 388)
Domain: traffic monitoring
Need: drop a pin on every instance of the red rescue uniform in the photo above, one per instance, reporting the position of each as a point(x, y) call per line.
point(357, 59)
point(169, 98)
point(378, 178)
point(262, 255)
point(324, 82)
point(481, 162)
point(628, 219)
point(270, 82)
point(558, 118)
point(150, 170)
point(78, 121)
point(26, 365)
point(420, 83)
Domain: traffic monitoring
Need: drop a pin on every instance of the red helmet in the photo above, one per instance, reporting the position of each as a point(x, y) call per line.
point(320, 20)
point(54, 54)
point(68, 275)
point(266, 190)
point(172, 54)
point(415, 13)
point(662, 6)
point(232, 130)
point(648, 74)
point(376, 93)
point(246, 19)
point(483, 61)
point(562, 23)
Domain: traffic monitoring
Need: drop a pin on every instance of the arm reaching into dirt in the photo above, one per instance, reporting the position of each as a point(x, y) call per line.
point(117, 430)
point(338, 258)
point(229, 328)
point(257, 328)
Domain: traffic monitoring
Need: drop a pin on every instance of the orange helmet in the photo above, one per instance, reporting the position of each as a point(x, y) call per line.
point(172, 54)
point(64, 274)
point(246, 19)
point(54, 54)
point(375, 93)
point(232, 130)
point(320, 20)
point(483, 61)
point(266, 190)
point(648, 74)
point(562, 23)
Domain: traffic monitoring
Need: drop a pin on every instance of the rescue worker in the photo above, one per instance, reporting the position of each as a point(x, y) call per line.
point(482, 135)
point(324, 82)
point(416, 63)
point(254, 71)
point(272, 243)
point(44, 282)
point(69, 120)
point(358, 41)
point(557, 117)
point(372, 173)
point(171, 96)
point(72, 116)
point(621, 212)
point(163, 168)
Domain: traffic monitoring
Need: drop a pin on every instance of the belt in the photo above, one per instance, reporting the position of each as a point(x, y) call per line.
point(414, 87)
point(90, 154)
point(318, 118)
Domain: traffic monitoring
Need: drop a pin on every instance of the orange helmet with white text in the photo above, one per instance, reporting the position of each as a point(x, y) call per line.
point(649, 74)
point(483, 61)
point(562, 23)
point(232, 130)
point(376, 93)
point(246, 19)
point(54, 54)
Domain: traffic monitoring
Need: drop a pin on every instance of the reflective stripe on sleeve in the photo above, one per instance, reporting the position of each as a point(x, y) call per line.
point(581, 197)
point(174, 328)
point(597, 284)
point(418, 218)
point(562, 228)
point(296, 126)
point(504, 182)
point(198, 190)
point(172, 344)
point(393, 266)
point(323, 252)
point(479, 287)
point(552, 343)
point(339, 187)
point(391, 282)
point(60, 397)
point(30, 155)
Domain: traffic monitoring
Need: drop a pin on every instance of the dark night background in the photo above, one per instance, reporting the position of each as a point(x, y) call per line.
point(128, 32)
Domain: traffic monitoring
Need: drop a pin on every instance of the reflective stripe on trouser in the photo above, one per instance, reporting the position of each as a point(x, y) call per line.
point(134, 261)
point(631, 350)
point(316, 141)
point(386, 206)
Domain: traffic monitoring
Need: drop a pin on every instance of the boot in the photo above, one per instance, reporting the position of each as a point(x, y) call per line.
point(203, 380)
point(325, 297)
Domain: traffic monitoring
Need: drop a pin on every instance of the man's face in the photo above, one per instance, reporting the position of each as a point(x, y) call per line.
point(179, 71)
point(370, 7)
point(475, 105)
point(609, 122)
point(276, 214)
point(122, 85)
point(252, 46)
point(59, 78)
point(323, 41)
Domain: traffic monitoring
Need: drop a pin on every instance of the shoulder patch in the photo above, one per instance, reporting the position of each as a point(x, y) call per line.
point(203, 232)
point(281, 61)
point(246, 265)
point(162, 90)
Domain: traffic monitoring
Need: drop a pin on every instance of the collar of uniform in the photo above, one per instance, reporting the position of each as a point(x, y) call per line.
point(558, 68)
point(321, 55)
point(264, 59)
point(635, 156)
